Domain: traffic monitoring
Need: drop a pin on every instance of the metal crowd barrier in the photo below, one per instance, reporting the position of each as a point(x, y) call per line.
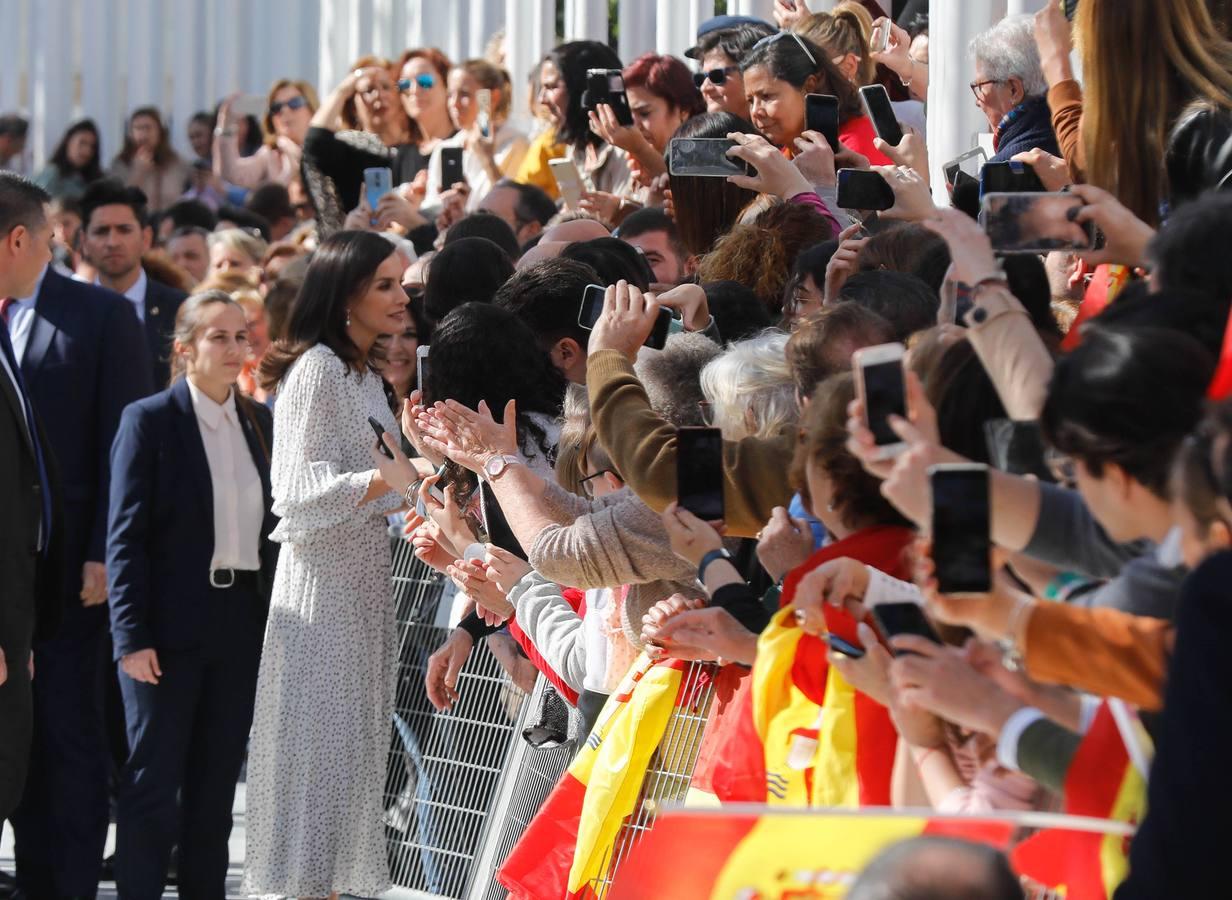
point(460, 785)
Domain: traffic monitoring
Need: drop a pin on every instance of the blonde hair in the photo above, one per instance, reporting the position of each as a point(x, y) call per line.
point(307, 91)
point(230, 282)
point(188, 323)
point(493, 78)
point(846, 29)
point(575, 424)
point(1177, 57)
point(750, 388)
point(238, 239)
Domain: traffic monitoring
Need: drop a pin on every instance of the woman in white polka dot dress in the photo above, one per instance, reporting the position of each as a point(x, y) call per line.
point(316, 765)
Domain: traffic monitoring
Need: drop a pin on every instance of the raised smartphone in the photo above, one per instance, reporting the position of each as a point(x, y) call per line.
point(883, 392)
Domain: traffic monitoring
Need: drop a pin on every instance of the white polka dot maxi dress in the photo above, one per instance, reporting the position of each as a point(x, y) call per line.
point(321, 729)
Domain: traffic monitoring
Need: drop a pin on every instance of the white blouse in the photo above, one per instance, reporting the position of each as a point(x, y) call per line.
point(239, 502)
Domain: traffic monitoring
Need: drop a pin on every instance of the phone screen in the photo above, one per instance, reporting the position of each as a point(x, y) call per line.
point(904, 618)
point(451, 167)
point(881, 112)
point(706, 157)
point(884, 396)
point(858, 189)
point(1035, 223)
point(484, 99)
point(821, 115)
point(699, 471)
point(592, 305)
point(960, 523)
point(377, 183)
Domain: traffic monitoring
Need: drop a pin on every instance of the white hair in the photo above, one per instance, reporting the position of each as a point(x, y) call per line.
point(1008, 50)
point(750, 387)
point(405, 247)
point(251, 245)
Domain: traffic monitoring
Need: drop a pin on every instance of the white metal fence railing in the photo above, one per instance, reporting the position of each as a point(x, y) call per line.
point(461, 784)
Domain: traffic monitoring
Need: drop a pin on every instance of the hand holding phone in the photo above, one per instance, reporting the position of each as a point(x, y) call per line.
point(568, 181)
point(451, 167)
point(882, 389)
point(704, 157)
point(1036, 223)
point(880, 111)
point(378, 181)
point(380, 442)
point(592, 308)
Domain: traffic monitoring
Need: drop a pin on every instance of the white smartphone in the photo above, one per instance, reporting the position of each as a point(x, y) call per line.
point(568, 180)
point(883, 392)
point(421, 369)
point(879, 42)
point(484, 100)
point(249, 105)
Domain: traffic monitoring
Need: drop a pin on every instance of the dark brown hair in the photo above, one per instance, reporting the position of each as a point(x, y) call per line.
point(341, 270)
point(823, 343)
point(163, 152)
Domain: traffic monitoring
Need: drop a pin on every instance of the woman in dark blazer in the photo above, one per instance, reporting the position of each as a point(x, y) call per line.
point(189, 565)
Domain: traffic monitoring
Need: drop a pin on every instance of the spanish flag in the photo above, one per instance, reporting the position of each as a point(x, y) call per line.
point(761, 853)
point(568, 847)
point(820, 742)
point(1102, 782)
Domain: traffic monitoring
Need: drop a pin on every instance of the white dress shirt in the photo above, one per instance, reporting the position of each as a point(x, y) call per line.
point(135, 292)
point(21, 319)
point(239, 503)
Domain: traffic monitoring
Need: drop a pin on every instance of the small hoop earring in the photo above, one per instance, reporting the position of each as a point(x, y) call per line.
point(348, 319)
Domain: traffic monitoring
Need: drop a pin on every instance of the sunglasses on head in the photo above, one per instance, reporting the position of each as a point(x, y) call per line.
point(293, 103)
point(778, 36)
point(425, 81)
point(716, 76)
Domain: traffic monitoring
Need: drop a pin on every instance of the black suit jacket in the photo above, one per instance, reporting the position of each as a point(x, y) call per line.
point(161, 532)
point(161, 304)
point(85, 360)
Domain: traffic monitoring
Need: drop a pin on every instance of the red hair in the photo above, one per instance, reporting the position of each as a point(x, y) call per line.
point(431, 55)
point(666, 77)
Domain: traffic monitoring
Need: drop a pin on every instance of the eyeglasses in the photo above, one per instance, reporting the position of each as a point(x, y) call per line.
point(293, 103)
point(714, 76)
point(778, 36)
point(977, 85)
point(425, 81)
point(587, 485)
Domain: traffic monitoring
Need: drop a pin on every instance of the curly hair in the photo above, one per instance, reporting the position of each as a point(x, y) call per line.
point(750, 388)
point(761, 254)
point(822, 440)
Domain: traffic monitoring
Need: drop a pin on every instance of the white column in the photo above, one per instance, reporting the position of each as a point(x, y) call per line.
point(585, 20)
point(455, 41)
point(186, 61)
point(637, 29)
point(486, 18)
point(677, 24)
point(530, 32)
point(761, 9)
point(51, 80)
point(102, 93)
point(953, 118)
point(334, 43)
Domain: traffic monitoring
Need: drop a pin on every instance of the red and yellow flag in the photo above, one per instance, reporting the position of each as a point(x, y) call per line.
point(569, 844)
point(1102, 782)
point(756, 853)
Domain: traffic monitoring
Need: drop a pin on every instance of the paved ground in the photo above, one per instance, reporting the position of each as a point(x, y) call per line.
point(107, 889)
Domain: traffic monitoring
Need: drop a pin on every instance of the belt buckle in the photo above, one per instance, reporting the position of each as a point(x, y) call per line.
point(230, 582)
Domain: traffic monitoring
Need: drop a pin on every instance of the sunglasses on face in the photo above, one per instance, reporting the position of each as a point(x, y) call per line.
point(293, 103)
point(715, 76)
point(425, 81)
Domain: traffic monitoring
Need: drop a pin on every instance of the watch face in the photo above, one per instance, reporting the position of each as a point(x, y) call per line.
point(495, 466)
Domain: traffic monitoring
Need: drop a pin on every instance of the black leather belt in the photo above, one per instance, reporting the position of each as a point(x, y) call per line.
point(225, 579)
